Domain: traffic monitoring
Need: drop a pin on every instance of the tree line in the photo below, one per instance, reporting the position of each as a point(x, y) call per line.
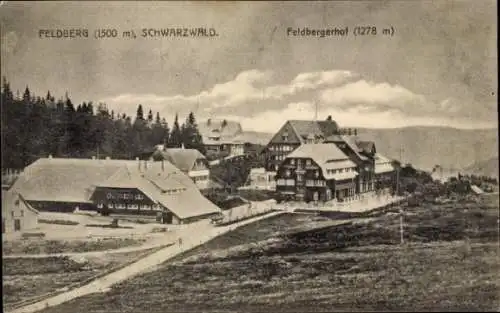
point(34, 127)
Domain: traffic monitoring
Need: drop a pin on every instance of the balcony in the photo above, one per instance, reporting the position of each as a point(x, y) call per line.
point(315, 183)
point(285, 182)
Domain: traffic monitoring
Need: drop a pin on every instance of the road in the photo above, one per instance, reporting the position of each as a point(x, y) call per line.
point(204, 232)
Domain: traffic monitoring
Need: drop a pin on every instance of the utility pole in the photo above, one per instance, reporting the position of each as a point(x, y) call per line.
point(401, 229)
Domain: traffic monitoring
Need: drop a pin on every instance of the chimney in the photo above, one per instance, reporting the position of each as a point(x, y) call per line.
point(108, 158)
point(145, 164)
point(162, 165)
point(182, 146)
point(50, 156)
point(349, 132)
point(93, 157)
point(355, 131)
point(138, 163)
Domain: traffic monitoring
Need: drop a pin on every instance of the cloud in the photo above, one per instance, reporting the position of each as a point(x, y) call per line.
point(254, 98)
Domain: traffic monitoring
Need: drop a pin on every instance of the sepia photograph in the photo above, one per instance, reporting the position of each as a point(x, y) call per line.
point(249, 156)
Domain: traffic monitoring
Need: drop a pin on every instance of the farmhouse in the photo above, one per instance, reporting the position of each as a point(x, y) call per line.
point(114, 186)
point(189, 161)
point(17, 214)
point(316, 172)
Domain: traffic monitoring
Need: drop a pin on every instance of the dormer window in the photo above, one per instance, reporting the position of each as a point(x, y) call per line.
point(284, 137)
point(292, 161)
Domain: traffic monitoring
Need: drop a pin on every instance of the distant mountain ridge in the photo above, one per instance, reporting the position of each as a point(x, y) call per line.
point(484, 168)
point(424, 146)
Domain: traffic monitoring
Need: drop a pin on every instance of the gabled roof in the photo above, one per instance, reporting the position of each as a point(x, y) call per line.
point(323, 154)
point(381, 159)
point(74, 180)
point(317, 129)
point(215, 128)
point(9, 199)
point(351, 141)
point(327, 155)
point(64, 180)
point(183, 159)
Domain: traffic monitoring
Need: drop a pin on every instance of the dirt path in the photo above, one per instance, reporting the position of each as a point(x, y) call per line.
point(190, 238)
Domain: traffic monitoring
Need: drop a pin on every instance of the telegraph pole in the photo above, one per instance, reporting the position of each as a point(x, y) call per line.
point(401, 229)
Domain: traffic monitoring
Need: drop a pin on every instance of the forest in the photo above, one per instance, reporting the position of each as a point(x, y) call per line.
point(35, 127)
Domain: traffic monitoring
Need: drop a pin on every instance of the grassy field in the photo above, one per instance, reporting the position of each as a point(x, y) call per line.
point(27, 278)
point(40, 246)
point(449, 262)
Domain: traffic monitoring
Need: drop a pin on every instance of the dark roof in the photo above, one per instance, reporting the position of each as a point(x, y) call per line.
point(313, 129)
point(366, 146)
point(328, 127)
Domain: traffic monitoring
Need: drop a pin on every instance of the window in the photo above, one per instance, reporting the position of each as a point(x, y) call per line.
point(139, 197)
point(22, 213)
point(292, 161)
point(300, 178)
point(17, 202)
point(308, 162)
point(12, 213)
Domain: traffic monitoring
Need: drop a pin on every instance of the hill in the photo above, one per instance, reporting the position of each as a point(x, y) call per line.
point(484, 168)
point(424, 147)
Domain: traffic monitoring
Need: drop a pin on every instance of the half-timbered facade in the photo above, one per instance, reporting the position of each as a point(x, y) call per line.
point(316, 172)
point(293, 134)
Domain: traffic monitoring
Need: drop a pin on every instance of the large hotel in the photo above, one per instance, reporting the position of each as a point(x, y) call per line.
point(318, 161)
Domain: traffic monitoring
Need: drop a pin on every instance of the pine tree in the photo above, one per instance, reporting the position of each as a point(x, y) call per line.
point(191, 135)
point(175, 138)
point(27, 95)
point(150, 116)
point(140, 113)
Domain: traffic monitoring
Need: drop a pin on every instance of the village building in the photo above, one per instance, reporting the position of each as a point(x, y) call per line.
point(189, 161)
point(363, 154)
point(293, 134)
point(384, 173)
point(114, 186)
point(217, 134)
point(17, 214)
point(316, 172)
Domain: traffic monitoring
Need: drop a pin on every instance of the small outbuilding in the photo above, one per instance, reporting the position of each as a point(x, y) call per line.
point(17, 214)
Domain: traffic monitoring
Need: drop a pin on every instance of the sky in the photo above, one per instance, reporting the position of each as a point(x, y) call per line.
point(439, 68)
